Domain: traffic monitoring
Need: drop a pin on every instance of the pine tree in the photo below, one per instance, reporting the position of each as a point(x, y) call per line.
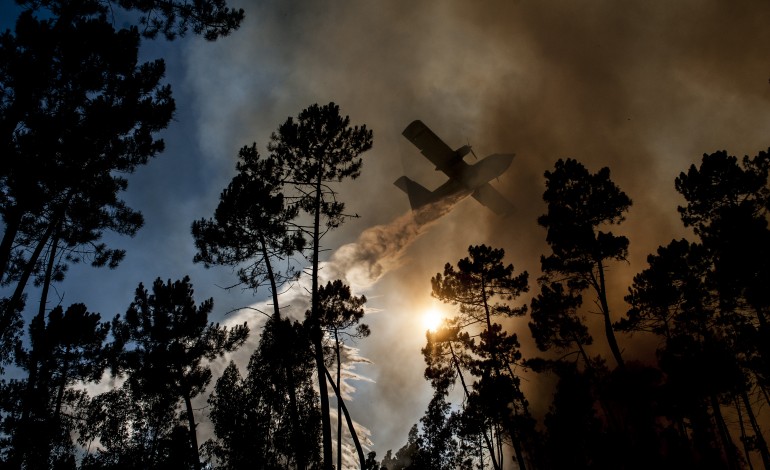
point(166, 338)
point(317, 149)
point(482, 287)
point(579, 203)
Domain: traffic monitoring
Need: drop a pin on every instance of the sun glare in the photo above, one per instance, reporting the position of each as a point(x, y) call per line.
point(432, 318)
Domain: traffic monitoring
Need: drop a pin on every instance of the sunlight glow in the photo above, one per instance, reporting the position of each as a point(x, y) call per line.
point(432, 318)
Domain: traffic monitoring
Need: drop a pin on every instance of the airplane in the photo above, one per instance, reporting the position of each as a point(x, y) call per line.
point(462, 177)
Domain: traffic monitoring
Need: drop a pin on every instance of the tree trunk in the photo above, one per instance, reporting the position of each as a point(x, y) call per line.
point(760, 439)
point(724, 434)
point(13, 304)
point(299, 455)
point(12, 222)
point(609, 332)
point(487, 440)
point(48, 272)
point(339, 403)
point(746, 449)
point(349, 421)
point(316, 332)
point(23, 435)
point(504, 415)
point(193, 436)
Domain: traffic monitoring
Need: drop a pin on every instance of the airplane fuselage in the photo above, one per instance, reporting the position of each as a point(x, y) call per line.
point(485, 170)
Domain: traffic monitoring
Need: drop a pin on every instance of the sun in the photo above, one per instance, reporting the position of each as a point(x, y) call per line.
point(432, 318)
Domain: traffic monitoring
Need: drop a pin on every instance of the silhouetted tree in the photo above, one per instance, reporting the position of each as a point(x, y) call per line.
point(482, 287)
point(437, 444)
point(556, 323)
point(172, 18)
point(434, 445)
point(319, 148)
point(253, 416)
point(672, 299)
point(66, 348)
point(575, 436)
point(708, 301)
point(404, 456)
point(579, 203)
point(727, 205)
point(166, 338)
point(77, 112)
point(134, 429)
point(448, 360)
point(253, 226)
point(339, 311)
point(232, 417)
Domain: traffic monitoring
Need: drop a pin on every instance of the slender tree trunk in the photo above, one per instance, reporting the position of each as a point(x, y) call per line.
point(193, 436)
point(299, 454)
point(41, 312)
point(760, 439)
point(763, 389)
point(746, 450)
point(317, 334)
point(48, 273)
point(22, 437)
point(339, 402)
point(487, 440)
point(511, 428)
point(609, 332)
point(270, 276)
point(62, 387)
point(12, 223)
point(583, 353)
point(13, 304)
point(724, 434)
point(349, 421)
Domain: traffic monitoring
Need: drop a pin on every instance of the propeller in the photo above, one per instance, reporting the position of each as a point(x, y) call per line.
point(471, 149)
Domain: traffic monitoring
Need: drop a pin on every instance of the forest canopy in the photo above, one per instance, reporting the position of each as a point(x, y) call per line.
point(163, 384)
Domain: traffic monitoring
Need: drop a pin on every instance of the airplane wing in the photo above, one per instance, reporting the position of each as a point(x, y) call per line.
point(430, 145)
point(491, 198)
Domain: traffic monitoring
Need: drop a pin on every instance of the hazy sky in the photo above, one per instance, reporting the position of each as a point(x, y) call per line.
point(642, 87)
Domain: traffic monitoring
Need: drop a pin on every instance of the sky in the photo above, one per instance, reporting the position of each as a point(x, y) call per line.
point(644, 88)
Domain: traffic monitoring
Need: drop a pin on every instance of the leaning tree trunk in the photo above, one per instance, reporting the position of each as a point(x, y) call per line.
point(349, 421)
point(7, 316)
point(608, 331)
point(724, 434)
point(487, 440)
point(760, 440)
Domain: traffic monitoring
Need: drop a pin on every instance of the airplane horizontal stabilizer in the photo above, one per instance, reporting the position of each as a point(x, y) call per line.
point(418, 194)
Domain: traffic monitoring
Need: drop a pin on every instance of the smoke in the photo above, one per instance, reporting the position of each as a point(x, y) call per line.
point(644, 89)
point(380, 249)
point(360, 264)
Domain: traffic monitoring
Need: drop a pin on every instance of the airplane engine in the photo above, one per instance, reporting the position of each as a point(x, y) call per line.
point(463, 151)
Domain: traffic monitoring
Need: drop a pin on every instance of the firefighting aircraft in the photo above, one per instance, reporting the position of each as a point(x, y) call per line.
point(462, 177)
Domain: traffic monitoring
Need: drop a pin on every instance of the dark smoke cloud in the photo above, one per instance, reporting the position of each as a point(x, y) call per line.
point(643, 87)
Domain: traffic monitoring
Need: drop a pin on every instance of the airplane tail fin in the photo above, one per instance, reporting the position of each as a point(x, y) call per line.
point(418, 194)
